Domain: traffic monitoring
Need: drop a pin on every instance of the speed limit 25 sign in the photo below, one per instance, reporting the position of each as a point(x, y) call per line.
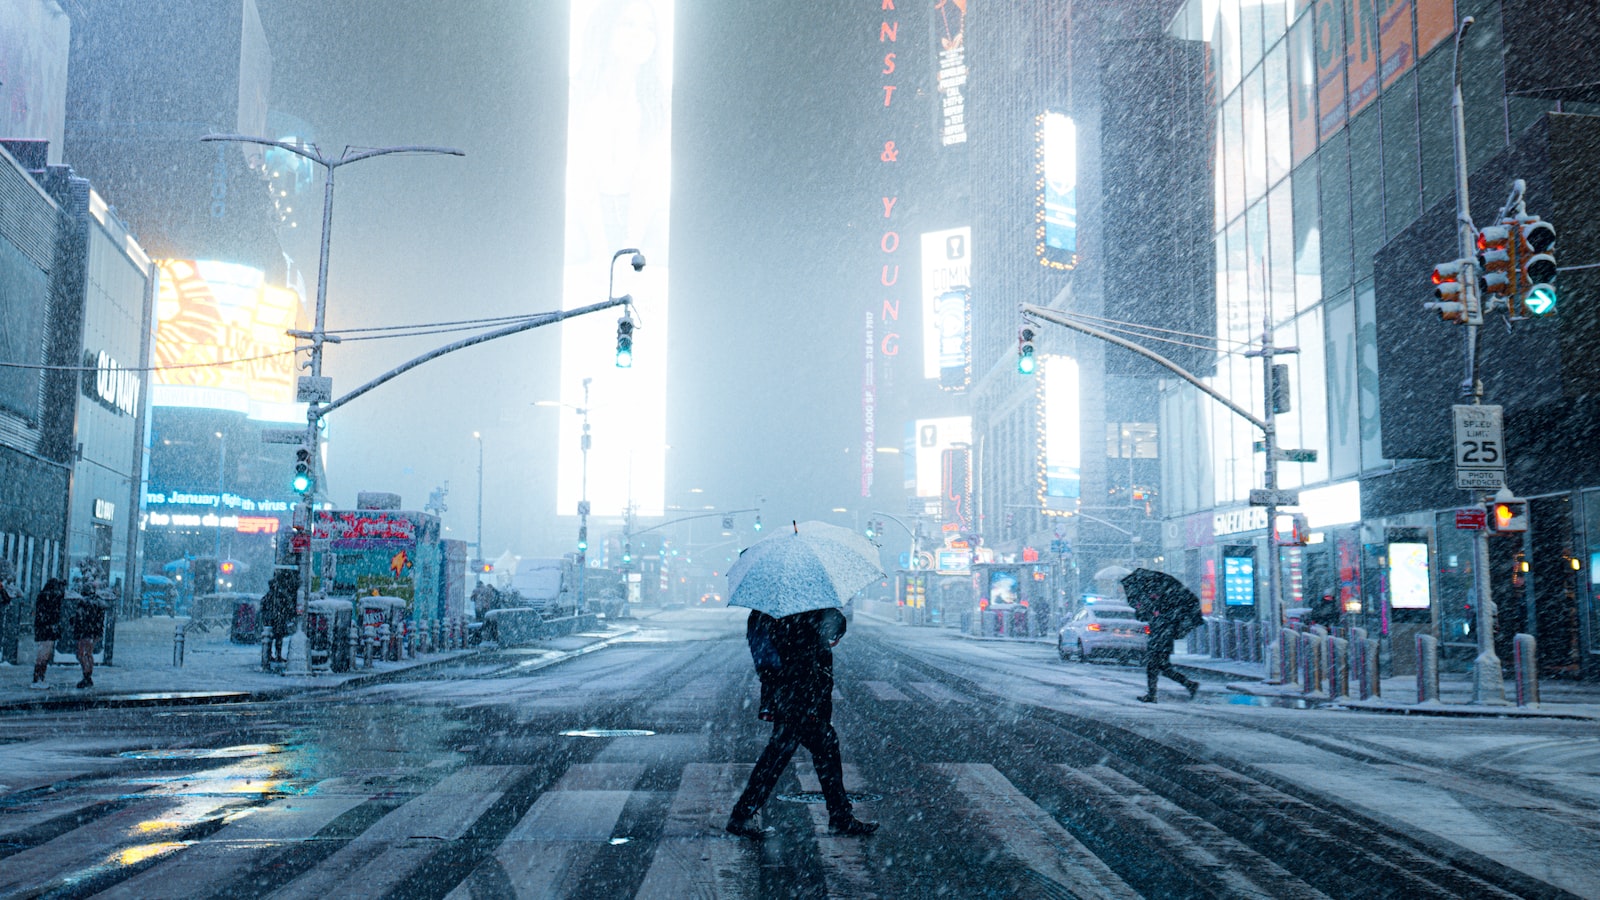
point(1480, 447)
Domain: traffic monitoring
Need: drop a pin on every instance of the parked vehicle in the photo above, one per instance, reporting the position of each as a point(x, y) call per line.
point(1103, 628)
point(547, 585)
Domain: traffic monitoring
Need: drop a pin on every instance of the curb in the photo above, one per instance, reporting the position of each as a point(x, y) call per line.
point(1442, 710)
point(152, 699)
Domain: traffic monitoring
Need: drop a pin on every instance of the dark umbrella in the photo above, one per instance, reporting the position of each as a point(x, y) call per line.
point(1151, 593)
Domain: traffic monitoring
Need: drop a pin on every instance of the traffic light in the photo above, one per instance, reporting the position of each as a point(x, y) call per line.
point(1496, 257)
point(872, 529)
point(1537, 261)
point(625, 343)
point(302, 471)
point(758, 522)
point(627, 553)
point(1448, 288)
point(583, 538)
point(1508, 515)
point(1026, 364)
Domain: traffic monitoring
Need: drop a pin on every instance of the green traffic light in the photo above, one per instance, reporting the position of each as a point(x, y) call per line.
point(1026, 364)
point(301, 483)
point(624, 359)
point(1541, 300)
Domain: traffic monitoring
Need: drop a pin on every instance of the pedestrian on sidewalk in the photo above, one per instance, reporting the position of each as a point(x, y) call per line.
point(1165, 627)
point(278, 608)
point(802, 714)
point(46, 628)
point(88, 621)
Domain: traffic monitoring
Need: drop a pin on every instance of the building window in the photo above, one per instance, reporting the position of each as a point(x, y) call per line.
point(1131, 440)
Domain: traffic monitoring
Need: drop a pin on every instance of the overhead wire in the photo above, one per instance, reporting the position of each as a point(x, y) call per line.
point(202, 365)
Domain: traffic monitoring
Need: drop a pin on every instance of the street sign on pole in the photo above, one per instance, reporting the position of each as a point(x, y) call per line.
point(1472, 518)
point(1276, 497)
point(1480, 448)
point(313, 389)
point(283, 435)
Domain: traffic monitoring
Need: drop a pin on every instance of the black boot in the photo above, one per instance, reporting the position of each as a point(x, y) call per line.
point(745, 827)
point(849, 824)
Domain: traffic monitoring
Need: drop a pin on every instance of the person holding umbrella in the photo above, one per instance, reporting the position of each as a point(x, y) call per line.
point(1171, 610)
point(795, 585)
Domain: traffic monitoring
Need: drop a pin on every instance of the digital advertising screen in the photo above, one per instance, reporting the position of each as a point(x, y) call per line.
point(618, 181)
point(1239, 581)
point(1062, 471)
point(946, 266)
point(1408, 576)
point(928, 439)
point(954, 309)
point(1003, 587)
point(212, 312)
point(1057, 214)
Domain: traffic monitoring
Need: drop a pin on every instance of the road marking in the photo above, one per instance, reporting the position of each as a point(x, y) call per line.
point(106, 841)
point(883, 690)
point(555, 840)
point(241, 845)
point(380, 858)
point(1031, 835)
point(1238, 870)
point(694, 857)
point(936, 691)
point(844, 867)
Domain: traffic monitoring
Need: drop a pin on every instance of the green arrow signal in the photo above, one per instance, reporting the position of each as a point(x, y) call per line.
point(1541, 300)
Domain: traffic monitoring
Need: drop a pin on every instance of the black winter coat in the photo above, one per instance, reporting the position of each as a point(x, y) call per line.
point(47, 610)
point(802, 687)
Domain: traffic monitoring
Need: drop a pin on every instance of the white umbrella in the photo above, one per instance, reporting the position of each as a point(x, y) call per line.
point(1112, 573)
point(815, 566)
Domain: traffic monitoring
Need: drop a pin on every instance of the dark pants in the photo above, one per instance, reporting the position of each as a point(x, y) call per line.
point(1158, 662)
point(823, 743)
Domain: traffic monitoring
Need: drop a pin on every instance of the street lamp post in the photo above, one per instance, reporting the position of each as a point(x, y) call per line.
point(583, 487)
point(478, 543)
point(299, 647)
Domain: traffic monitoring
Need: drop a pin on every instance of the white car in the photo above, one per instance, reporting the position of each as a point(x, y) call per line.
point(1104, 628)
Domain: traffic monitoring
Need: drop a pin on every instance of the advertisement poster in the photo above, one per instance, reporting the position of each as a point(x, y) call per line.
point(1408, 576)
point(1239, 580)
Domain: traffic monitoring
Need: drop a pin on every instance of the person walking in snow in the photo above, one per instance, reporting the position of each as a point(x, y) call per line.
point(800, 690)
point(46, 628)
point(88, 621)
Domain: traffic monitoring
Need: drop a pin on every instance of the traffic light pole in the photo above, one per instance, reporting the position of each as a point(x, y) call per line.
point(1268, 426)
point(1488, 684)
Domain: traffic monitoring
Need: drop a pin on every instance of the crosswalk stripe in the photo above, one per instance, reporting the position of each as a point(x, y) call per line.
point(936, 691)
point(238, 846)
point(883, 690)
point(152, 824)
point(694, 858)
point(1241, 871)
point(381, 857)
point(559, 833)
point(1031, 835)
point(843, 864)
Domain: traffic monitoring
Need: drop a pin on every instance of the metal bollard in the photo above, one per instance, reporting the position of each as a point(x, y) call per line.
point(370, 645)
point(266, 649)
point(1338, 668)
point(1525, 653)
point(1371, 676)
point(385, 646)
point(1308, 663)
point(1289, 655)
point(355, 640)
point(1252, 632)
point(1427, 669)
point(1357, 636)
point(177, 646)
point(1214, 637)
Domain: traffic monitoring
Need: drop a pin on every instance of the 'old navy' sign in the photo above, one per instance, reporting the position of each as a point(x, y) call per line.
point(108, 382)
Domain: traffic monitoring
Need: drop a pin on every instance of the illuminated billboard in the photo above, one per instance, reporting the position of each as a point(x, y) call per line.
point(212, 312)
point(950, 26)
point(954, 309)
point(946, 265)
point(619, 175)
point(1056, 212)
point(926, 442)
point(1058, 417)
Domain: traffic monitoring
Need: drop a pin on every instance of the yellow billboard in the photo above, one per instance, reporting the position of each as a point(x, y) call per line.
point(221, 340)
